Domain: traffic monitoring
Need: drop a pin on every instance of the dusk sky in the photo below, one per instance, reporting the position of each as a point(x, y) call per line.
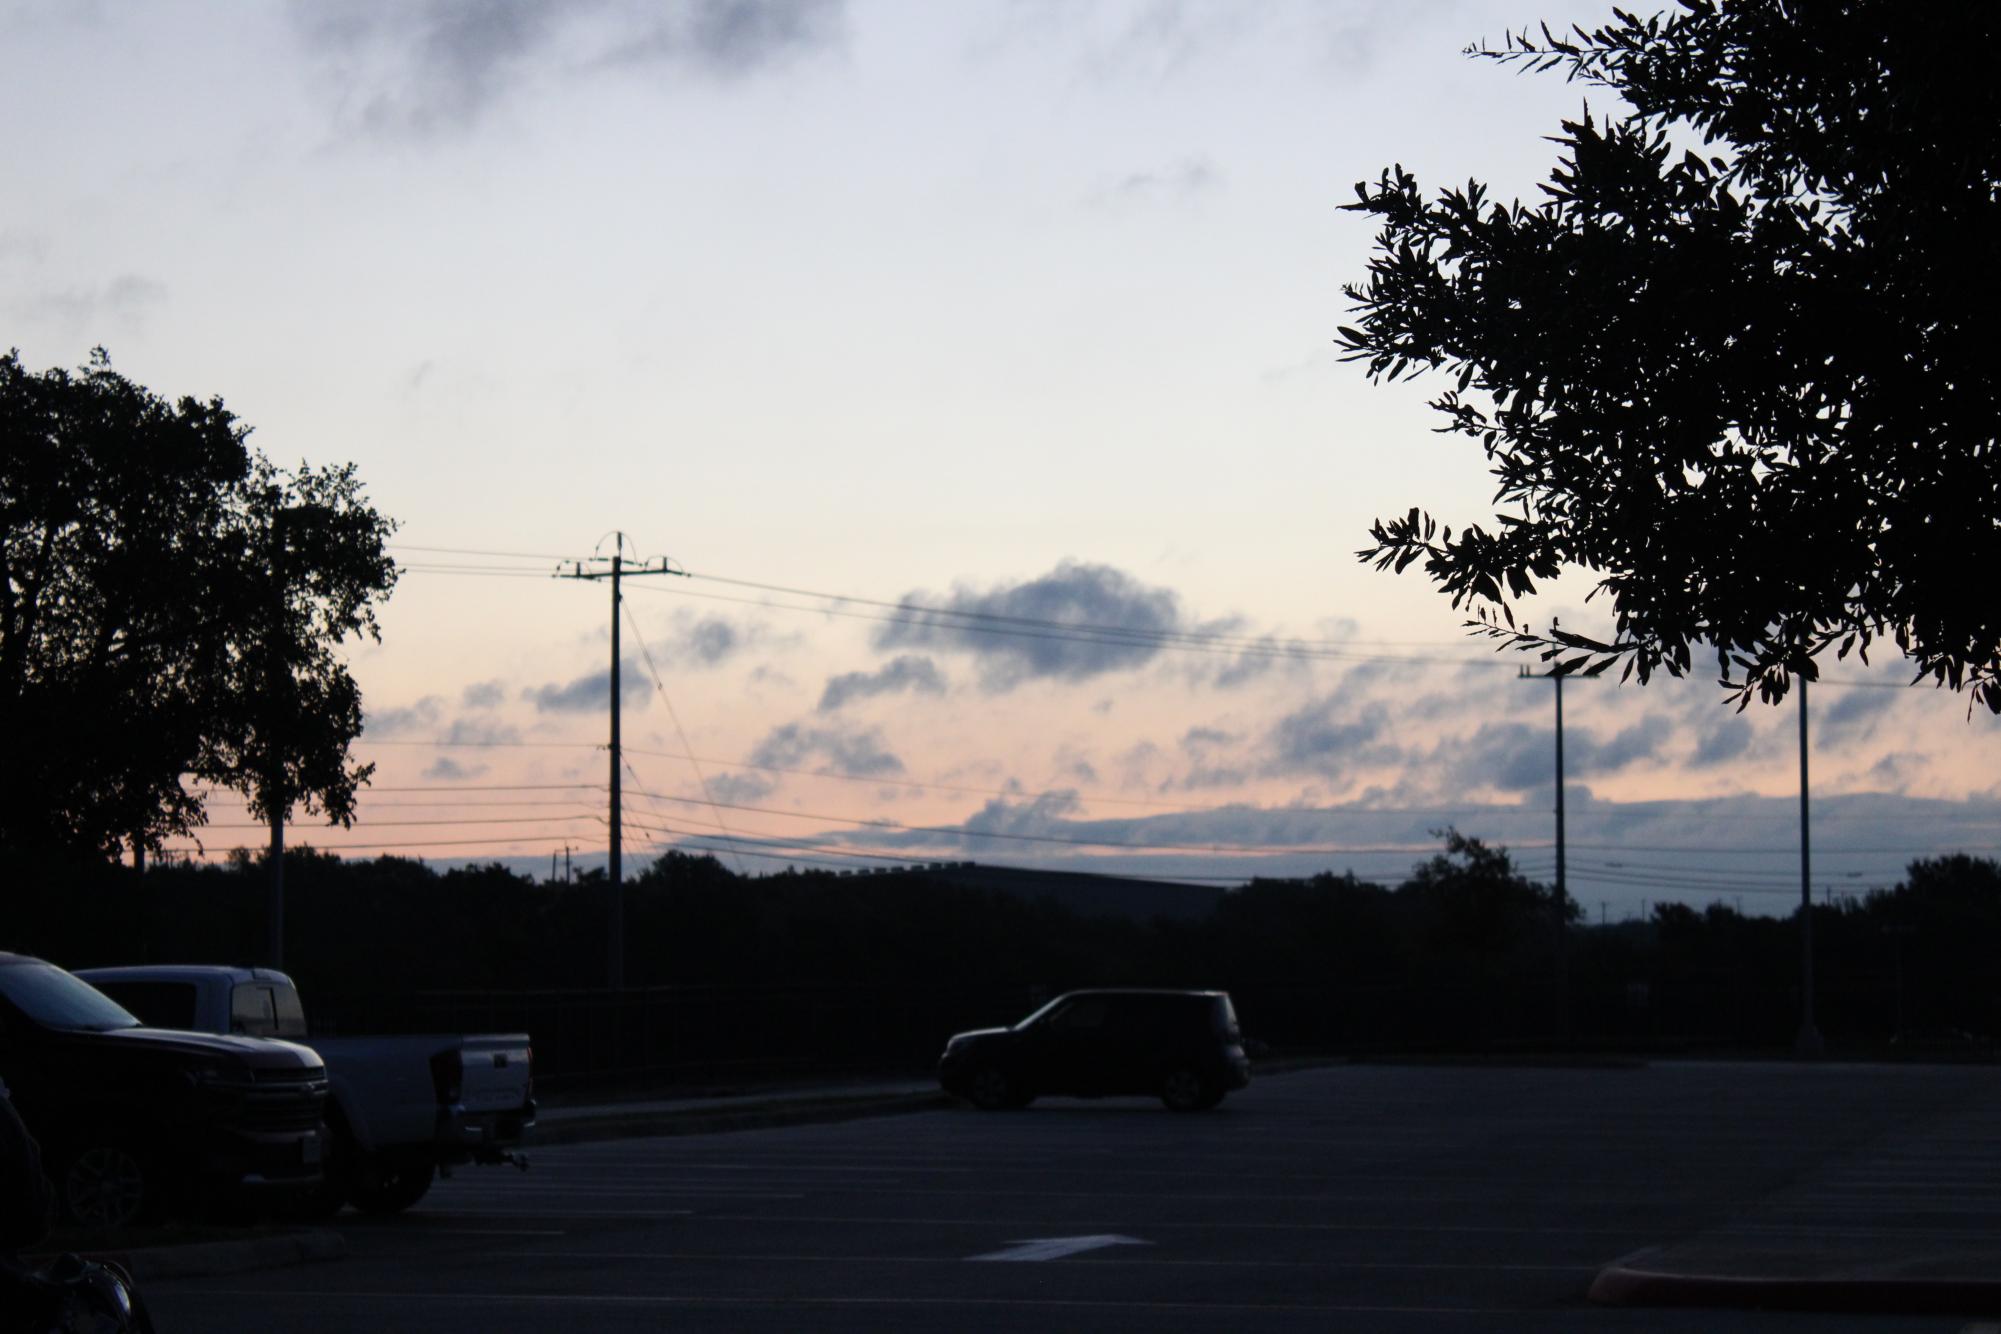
point(1018, 308)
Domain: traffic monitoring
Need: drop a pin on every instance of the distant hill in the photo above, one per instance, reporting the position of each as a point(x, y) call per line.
point(1083, 893)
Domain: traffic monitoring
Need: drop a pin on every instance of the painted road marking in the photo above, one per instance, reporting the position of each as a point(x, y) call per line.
point(1179, 1262)
point(414, 1297)
point(1055, 1248)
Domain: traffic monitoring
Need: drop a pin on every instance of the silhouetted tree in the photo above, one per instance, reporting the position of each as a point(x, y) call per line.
point(1751, 389)
point(170, 608)
point(1470, 901)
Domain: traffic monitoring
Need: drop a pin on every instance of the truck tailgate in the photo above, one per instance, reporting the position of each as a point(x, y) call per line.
point(496, 1071)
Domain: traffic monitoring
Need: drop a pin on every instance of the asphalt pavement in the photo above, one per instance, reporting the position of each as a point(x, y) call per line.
point(1366, 1197)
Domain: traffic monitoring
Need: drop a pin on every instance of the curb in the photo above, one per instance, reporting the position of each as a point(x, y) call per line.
point(700, 1121)
point(214, 1259)
point(1623, 1284)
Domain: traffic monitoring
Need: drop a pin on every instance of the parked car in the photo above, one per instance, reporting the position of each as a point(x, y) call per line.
point(1181, 1046)
point(403, 1109)
point(134, 1120)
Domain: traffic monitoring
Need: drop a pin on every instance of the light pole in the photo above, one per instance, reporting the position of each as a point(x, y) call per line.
point(1809, 1042)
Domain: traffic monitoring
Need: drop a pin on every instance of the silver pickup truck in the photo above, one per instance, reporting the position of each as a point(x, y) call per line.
point(402, 1110)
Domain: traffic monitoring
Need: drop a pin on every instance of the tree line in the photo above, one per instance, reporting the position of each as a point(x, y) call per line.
point(1464, 954)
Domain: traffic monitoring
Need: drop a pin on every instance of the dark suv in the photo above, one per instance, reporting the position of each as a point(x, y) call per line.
point(1180, 1046)
point(133, 1120)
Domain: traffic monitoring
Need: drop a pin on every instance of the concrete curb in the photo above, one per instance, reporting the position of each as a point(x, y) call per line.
point(614, 1124)
point(1628, 1282)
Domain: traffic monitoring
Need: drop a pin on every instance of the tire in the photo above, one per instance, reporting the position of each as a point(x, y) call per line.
point(108, 1185)
point(1186, 1091)
point(390, 1185)
point(992, 1091)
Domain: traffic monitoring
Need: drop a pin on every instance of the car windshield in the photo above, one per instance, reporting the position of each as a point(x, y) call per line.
point(54, 999)
point(1043, 1011)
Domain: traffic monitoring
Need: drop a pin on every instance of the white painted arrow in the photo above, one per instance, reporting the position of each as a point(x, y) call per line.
point(1055, 1248)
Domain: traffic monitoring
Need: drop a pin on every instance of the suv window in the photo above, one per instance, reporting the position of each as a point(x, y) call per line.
point(291, 1013)
point(252, 1011)
point(1088, 1013)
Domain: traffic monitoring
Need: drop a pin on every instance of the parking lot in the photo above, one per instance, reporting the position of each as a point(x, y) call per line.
point(1351, 1197)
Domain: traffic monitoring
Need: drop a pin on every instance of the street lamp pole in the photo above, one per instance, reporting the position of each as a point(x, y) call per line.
point(1809, 1042)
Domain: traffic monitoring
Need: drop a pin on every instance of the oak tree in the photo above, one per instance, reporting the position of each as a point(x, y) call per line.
point(171, 609)
point(1738, 361)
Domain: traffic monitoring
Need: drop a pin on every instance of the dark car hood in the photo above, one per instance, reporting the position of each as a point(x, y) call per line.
point(980, 1033)
point(257, 1053)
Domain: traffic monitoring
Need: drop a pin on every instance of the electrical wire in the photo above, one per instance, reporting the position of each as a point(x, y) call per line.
point(501, 845)
point(965, 832)
point(646, 655)
point(366, 740)
point(1272, 647)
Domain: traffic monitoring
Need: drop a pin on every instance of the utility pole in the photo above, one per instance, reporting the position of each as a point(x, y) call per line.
point(1562, 885)
point(1809, 1042)
point(616, 566)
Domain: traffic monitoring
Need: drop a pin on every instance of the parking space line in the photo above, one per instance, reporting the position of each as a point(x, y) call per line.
point(686, 1300)
point(1213, 1225)
point(1121, 1260)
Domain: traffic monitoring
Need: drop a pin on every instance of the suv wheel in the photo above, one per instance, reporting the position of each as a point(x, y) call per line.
point(108, 1186)
point(1186, 1091)
point(991, 1090)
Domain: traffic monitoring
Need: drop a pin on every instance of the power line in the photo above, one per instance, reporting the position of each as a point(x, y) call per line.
point(1088, 635)
point(956, 618)
point(1134, 632)
point(474, 551)
point(366, 740)
point(646, 655)
point(1087, 797)
point(389, 824)
point(963, 831)
point(502, 844)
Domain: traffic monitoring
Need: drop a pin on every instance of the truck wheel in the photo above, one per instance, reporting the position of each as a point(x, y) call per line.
point(1185, 1091)
point(109, 1186)
point(390, 1185)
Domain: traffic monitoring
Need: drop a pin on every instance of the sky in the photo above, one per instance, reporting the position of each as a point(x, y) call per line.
point(1018, 312)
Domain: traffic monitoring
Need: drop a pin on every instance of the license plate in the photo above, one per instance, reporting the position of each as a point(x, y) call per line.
point(309, 1152)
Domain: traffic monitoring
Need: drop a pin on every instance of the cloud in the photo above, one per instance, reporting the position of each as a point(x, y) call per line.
point(477, 731)
point(1323, 738)
point(733, 37)
point(1727, 740)
point(421, 716)
point(741, 789)
point(125, 302)
point(710, 640)
point(1518, 757)
point(445, 769)
point(1177, 183)
point(592, 691)
point(702, 641)
point(844, 750)
point(1850, 716)
point(420, 68)
point(483, 695)
point(907, 673)
point(1033, 615)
